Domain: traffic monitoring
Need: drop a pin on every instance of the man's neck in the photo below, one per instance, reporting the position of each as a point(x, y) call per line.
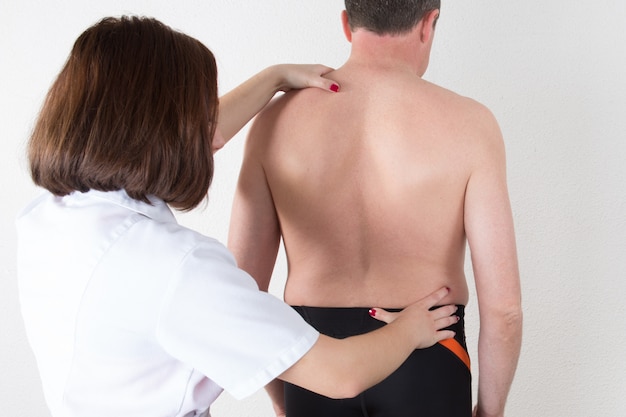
point(388, 53)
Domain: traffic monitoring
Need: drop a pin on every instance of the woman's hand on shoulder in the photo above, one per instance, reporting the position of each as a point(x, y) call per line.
point(298, 76)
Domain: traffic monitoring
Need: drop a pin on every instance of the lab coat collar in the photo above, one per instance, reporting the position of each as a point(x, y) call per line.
point(158, 210)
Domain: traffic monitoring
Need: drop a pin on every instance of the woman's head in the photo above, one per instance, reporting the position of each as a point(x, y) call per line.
point(134, 108)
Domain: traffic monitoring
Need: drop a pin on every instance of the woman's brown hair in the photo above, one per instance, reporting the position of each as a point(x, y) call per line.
point(134, 108)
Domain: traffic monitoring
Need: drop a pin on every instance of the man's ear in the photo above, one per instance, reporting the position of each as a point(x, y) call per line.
point(428, 25)
point(346, 26)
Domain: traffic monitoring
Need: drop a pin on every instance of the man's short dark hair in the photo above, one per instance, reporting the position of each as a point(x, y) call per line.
point(388, 17)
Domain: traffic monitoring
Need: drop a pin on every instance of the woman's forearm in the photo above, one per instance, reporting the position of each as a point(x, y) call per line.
point(241, 104)
point(343, 368)
point(276, 392)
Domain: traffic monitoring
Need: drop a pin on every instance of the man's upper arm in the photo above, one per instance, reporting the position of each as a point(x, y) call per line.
point(254, 234)
point(489, 224)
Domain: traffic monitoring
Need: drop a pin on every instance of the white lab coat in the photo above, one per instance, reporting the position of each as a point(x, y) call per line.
point(130, 314)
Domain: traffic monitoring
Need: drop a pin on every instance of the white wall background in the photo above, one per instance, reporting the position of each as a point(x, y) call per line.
point(553, 72)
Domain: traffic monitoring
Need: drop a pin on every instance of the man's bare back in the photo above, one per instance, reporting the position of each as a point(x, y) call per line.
point(369, 187)
point(376, 190)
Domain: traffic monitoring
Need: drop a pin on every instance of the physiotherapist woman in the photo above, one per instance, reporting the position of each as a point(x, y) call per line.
point(129, 313)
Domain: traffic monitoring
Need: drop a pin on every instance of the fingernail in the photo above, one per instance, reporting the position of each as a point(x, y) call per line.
point(458, 318)
point(372, 312)
point(334, 88)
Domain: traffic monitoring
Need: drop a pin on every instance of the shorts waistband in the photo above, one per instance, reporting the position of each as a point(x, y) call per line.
point(340, 322)
point(351, 313)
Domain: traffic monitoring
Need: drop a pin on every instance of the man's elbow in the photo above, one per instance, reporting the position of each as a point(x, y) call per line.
point(507, 319)
point(512, 313)
point(513, 321)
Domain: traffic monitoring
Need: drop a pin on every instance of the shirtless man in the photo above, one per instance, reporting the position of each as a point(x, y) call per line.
point(375, 192)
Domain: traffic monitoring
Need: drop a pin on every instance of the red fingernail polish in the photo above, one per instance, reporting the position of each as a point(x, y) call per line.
point(372, 312)
point(334, 88)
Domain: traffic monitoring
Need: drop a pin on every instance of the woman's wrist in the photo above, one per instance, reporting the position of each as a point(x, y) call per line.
point(278, 77)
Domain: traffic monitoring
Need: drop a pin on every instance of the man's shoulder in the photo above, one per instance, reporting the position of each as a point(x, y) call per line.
point(274, 109)
point(464, 103)
point(473, 121)
point(287, 108)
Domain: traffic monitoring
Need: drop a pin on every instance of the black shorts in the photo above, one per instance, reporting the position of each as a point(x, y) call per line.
point(432, 382)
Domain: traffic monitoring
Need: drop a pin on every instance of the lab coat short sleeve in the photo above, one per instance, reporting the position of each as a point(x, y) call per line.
point(215, 319)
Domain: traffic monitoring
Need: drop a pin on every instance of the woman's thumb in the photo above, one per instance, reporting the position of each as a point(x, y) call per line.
point(382, 315)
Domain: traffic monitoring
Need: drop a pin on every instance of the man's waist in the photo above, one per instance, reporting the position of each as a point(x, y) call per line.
point(341, 322)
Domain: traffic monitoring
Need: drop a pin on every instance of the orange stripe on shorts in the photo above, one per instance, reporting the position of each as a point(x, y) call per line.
point(455, 347)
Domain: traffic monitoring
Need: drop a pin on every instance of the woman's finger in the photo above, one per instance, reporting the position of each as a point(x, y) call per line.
point(444, 311)
point(443, 335)
point(434, 298)
point(298, 76)
point(383, 315)
point(448, 321)
point(325, 83)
